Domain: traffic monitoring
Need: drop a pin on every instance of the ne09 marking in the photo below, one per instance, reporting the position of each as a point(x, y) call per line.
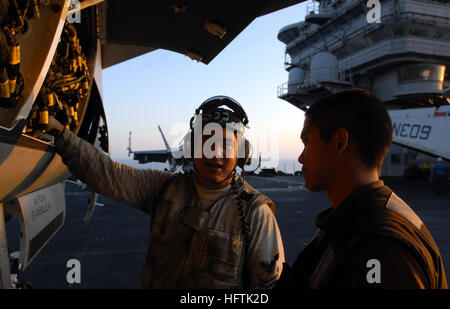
point(412, 130)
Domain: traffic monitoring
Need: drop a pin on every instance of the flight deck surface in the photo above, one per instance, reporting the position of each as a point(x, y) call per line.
point(111, 249)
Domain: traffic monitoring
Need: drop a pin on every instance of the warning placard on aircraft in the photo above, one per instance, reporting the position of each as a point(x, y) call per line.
point(42, 215)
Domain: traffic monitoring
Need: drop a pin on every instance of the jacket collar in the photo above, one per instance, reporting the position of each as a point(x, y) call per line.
point(341, 222)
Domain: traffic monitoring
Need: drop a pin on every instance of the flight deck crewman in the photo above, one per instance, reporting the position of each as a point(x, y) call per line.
point(369, 237)
point(210, 228)
point(440, 177)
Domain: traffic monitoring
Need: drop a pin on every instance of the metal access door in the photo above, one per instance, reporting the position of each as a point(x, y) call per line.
point(42, 215)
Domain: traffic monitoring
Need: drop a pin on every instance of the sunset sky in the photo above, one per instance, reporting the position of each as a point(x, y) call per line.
point(164, 88)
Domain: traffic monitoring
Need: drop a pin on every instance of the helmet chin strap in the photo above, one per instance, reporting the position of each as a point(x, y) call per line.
point(230, 175)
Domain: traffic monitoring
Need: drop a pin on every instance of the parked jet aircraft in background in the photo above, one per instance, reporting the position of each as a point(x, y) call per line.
point(171, 155)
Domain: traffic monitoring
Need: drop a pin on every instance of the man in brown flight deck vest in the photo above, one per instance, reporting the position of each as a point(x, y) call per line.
point(210, 228)
point(369, 237)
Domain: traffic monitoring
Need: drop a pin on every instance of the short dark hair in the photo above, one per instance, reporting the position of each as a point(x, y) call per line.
point(363, 115)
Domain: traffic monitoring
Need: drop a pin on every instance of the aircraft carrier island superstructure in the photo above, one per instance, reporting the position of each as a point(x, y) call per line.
point(397, 49)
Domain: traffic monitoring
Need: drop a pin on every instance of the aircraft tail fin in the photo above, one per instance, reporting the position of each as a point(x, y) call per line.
point(164, 138)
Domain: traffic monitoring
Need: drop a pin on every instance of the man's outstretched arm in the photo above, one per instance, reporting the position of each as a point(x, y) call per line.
point(135, 187)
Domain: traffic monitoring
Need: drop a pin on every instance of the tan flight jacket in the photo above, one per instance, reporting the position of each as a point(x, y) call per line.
point(189, 247)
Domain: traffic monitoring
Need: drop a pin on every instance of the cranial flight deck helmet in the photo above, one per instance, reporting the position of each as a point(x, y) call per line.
point(235, 118)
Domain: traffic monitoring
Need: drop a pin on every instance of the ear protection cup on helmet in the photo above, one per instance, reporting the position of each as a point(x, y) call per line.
point(247, 160)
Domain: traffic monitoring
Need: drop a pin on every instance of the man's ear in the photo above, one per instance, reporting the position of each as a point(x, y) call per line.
point(341, 140)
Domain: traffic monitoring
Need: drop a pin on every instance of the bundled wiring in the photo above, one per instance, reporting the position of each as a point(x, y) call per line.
point(13, 22)
point(65, 87)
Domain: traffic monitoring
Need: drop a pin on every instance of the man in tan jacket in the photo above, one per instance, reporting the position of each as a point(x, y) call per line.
point(210, 228)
